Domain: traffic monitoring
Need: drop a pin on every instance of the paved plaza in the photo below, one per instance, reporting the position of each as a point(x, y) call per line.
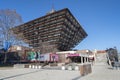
point(37, 74)
point(100, 72)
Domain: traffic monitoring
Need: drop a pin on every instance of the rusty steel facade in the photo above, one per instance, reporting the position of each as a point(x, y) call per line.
point(58, 29)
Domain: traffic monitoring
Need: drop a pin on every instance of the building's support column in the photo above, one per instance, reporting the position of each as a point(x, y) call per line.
point(87, 59)
point(84, 59)
point(81, 59)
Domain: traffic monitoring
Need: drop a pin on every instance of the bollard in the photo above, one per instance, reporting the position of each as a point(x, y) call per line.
point(30, 66)
point(36, 66)
point(33, 66)
point(76, 68)
point(39, 67)
point(63, 68)
point(69, 67)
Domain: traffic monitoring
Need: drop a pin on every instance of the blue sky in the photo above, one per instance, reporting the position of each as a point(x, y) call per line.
point(99, 18)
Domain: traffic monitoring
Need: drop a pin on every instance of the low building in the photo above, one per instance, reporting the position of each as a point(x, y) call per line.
point(101, 56)
point(80, 56)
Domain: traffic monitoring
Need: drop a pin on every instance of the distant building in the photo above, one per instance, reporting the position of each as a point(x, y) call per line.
point(100, 55)
point(56, 31)
point(101, 51)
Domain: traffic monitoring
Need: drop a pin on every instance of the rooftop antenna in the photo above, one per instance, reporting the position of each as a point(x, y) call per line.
point(52, 10)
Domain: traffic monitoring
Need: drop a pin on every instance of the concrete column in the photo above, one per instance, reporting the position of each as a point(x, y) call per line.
point(87, 59)
point(84, 59)
point(81, 59)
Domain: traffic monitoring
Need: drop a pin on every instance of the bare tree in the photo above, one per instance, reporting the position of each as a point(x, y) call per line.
point(8, 19)
point(19, 39)
point(46, 47)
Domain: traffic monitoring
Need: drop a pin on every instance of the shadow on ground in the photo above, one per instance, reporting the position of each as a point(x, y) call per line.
point(21, 74)
point(77, 78)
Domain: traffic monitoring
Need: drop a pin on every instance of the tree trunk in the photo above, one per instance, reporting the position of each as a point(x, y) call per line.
point(5, 58)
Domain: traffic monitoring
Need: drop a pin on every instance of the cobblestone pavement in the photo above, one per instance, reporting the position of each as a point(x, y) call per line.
point(100, 72)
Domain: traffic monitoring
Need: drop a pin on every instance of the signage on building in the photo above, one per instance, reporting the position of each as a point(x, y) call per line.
point(71, 55)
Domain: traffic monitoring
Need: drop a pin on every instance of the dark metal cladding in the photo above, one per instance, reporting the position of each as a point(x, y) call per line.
point(60, 30)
